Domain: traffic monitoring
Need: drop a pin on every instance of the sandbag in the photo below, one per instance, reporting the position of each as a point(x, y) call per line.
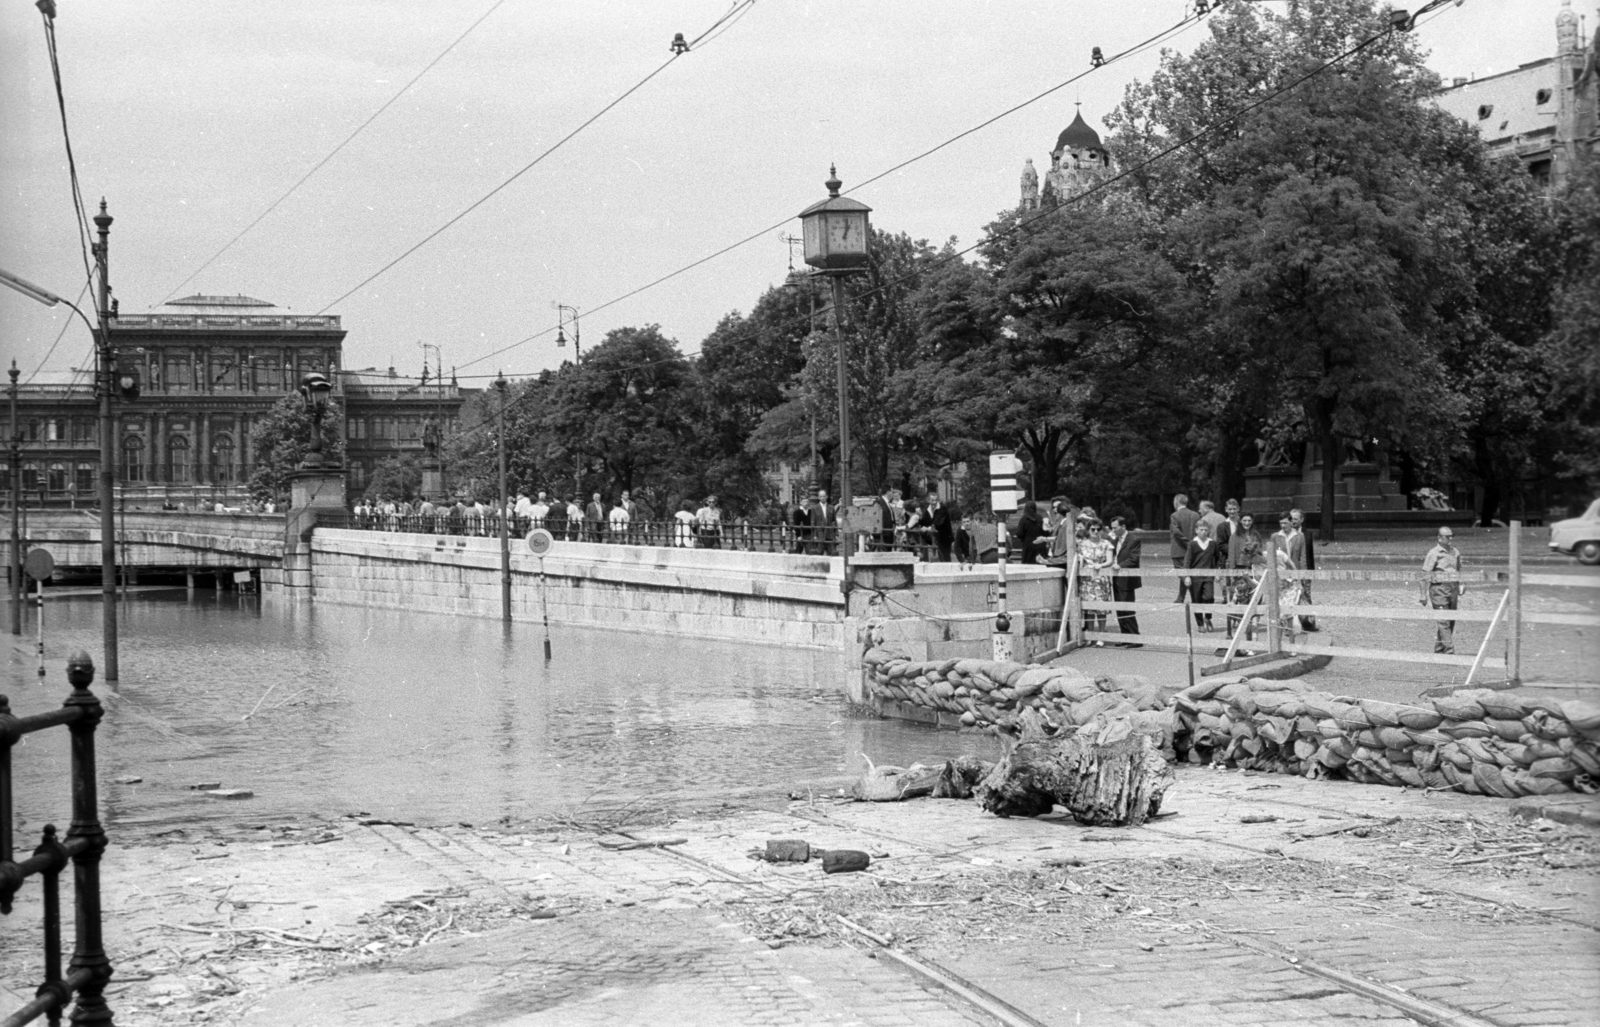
point(1585, 716)
point(1503, 705)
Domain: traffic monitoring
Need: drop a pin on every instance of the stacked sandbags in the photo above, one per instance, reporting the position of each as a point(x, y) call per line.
point(1484, 742)
point(995, 695)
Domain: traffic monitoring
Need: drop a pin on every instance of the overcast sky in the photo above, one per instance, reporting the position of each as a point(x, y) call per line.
point(191, 118)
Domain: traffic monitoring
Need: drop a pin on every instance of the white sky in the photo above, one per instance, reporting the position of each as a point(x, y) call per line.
point(190, 118)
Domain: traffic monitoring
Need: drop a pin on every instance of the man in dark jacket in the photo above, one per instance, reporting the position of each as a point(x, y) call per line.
point(1183, 522)
point(820, 516)
point(1298, 519)
point(594, 519)
point(1125, 556)
point(939, 520)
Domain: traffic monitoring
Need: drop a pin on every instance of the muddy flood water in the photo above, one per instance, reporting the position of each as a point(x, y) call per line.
point(326, 710)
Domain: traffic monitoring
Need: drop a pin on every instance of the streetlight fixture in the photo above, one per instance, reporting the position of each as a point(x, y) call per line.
point(835, 233)
point(561, 334)
point(103, 388)
point(505, 536)
point(314, 392)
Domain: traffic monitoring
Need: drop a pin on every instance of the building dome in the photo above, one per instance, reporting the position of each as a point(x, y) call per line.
point(1078, 136)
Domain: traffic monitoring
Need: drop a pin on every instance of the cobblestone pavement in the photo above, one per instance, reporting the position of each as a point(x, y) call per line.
point(1199, 918)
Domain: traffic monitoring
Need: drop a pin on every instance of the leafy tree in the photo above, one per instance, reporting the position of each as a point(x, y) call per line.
point(280, 439)
point(398, 478)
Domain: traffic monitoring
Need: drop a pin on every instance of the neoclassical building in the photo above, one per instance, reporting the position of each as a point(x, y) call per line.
point(1079, 162)
point(1545, 113)
point(209, 367)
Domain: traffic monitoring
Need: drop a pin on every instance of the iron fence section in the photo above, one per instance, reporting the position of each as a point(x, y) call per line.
point(90, 969)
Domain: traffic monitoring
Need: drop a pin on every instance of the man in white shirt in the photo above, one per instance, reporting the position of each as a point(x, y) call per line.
point(539, 510)
point(619, 519)
point(709, 520)
point(524, 508)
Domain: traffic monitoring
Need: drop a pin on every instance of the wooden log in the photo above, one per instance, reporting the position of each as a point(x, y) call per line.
point(1106, 774)
point(844, 861)
point(959, 776)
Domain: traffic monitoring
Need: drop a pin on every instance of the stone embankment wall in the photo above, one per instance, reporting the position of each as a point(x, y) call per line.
point(1485, 742)
point(702, 593)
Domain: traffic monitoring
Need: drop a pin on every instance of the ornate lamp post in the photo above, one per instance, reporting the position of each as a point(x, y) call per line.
point(314, 392)
point(835, 233)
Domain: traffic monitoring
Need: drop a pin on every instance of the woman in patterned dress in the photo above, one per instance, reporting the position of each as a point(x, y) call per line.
point(1094, 574)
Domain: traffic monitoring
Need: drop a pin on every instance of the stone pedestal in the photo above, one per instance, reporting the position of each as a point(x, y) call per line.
point(432, 479)
point(313, 492)
point(1270, 490)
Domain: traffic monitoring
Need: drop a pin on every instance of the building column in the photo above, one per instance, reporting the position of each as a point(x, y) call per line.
point(157, 446)
point(202, 438)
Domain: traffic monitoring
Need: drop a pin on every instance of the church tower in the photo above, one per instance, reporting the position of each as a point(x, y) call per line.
point(1077, 164)
point(1030, 188)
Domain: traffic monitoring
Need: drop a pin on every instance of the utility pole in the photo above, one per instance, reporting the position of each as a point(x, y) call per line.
point(16, 511)
point(103, 384)
point(505, 538)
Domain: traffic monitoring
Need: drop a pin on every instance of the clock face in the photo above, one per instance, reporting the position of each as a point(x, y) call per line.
point(813, 237)
point(844, 233)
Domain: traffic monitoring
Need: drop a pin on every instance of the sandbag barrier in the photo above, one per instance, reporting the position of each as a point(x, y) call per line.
point(1483, 741)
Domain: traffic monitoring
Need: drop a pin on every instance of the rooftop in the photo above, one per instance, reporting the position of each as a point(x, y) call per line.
point(1512, 103)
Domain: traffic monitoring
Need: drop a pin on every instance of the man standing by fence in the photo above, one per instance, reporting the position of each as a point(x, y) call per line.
point(1443, 589)
point(1125, 557)
point(1183, 522)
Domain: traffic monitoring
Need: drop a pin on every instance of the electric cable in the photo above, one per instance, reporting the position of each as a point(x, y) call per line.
point(1189, 140)
point(47, 12)
point(68, 324)
point(1165, 33)
point(334, 152)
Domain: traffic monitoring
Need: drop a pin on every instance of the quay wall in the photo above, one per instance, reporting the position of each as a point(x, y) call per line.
point(775, 598)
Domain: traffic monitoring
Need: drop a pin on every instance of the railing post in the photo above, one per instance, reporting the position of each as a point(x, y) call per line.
point(1274, 623)
point(1514, 663)
point(89, 951)
point(51, 882)
point(6, 816)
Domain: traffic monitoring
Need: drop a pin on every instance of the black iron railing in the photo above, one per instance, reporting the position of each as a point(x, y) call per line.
point(737, 535)
point(89, 970)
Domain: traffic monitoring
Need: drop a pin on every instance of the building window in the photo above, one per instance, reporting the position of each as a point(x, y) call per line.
point(357, 428)
point(179, 469)
point(358, 475)
point(30, 476)
point(5, 477)
point(1542, 97)
point(222, 460)
point(83, 429)
point(133, 458)
point(1484, 110)
point(52, 431)
point(83, 478)
point(56, 478)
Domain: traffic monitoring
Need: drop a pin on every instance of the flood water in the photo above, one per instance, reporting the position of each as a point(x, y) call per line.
point(323, 710)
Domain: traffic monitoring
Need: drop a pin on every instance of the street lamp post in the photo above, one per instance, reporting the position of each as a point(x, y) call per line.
point(577, 357)
point(505, 534)
point(835, 233)
point(103, 386)
point(314, 392)
point(108, 471)
point(16, 510)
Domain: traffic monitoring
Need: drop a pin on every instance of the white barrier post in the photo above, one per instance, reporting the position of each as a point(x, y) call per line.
point(1514, 660)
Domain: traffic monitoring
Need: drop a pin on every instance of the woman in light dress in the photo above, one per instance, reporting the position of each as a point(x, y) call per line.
point(1290, 587)
point(1095, 554)
point(683, 534)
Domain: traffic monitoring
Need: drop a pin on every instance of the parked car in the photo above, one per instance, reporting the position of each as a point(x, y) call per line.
point(1579, 536)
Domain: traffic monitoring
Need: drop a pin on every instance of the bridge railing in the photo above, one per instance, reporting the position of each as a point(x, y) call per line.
point(90, 970)
point(738, 535)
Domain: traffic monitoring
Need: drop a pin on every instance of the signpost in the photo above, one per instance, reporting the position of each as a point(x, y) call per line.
point(540, 542)
point(1004, 466)
point(39, 565)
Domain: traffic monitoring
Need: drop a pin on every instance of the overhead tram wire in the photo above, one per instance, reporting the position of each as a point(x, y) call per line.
point(1187, 141)
point(47, 12)
point(745, 4)
point(734, 12)
point(335, 151)
point(59, 335)
point(1177, 27)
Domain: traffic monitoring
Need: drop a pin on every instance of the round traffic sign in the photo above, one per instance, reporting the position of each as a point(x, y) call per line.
point(539, 541)
point(39, 564)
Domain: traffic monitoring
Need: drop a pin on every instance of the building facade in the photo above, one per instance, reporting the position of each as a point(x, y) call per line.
point(1546, 113)
point(209, 368)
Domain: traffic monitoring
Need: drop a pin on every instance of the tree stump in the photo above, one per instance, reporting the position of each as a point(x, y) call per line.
point(1106, 773)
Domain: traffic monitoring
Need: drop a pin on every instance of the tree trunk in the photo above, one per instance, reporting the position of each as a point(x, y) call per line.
point(1322, 418)
point(1105, 773)
point(1483, 464)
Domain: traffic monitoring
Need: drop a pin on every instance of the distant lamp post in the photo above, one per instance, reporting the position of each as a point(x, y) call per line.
point(835, 233)
point(505, 537)
point(314, 392)
point(561, 332)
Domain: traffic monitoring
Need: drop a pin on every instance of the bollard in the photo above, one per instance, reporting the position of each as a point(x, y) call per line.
point(89, 961)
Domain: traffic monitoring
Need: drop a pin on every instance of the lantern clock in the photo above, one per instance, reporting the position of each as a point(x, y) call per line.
point(835, 230)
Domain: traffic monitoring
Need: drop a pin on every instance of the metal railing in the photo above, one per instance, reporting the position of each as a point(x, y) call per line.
point(735, 535)
point(90, 969)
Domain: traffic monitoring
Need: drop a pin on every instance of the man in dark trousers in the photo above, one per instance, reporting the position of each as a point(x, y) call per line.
point(943, 530)
point(1298, 519)
point(885, 505)
point(1183, 522)
point(1125, 556)
point(820, 515)
point(594, 519)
